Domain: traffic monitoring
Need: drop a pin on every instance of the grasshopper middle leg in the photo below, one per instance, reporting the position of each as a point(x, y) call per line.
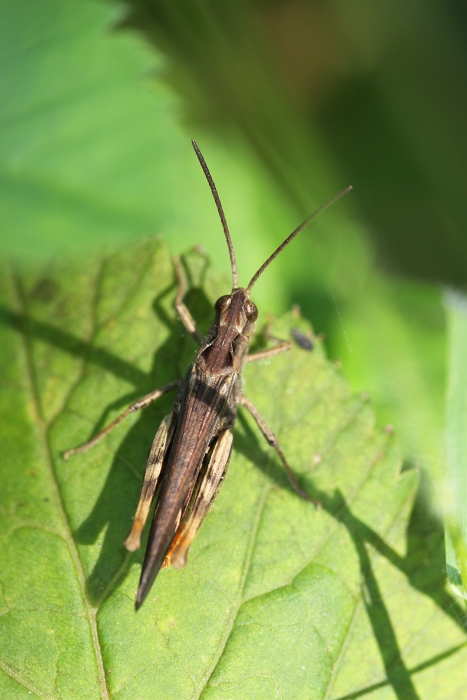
point(136, 406)
point(187, 320)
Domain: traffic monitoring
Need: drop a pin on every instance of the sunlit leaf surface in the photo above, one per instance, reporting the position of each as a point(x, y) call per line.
point(278, 599)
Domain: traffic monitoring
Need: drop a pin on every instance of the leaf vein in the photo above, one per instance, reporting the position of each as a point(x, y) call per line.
point(42, 426)
point(14, 675)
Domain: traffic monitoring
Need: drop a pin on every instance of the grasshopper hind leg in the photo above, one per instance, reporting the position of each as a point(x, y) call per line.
point(272, 440)
point(159, 447)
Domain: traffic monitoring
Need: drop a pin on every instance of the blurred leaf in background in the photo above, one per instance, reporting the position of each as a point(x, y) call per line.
point(327, 93)
point(88, 137)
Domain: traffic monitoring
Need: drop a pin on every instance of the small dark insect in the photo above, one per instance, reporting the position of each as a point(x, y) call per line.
point(303, 341)
point(190, 453)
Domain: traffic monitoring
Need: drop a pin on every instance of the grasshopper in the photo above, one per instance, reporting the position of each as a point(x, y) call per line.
point(190, 453)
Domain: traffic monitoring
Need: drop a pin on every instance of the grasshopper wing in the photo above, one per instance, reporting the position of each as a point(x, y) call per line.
point(206, 411)
point(210, 482)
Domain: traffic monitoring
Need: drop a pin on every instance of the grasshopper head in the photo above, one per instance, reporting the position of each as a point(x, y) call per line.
point(236, 310)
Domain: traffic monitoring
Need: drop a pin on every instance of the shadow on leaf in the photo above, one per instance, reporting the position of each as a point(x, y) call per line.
point(116, 504)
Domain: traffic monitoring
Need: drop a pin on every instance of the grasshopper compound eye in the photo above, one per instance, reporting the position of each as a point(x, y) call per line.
point(222, 303)
point(251, 311)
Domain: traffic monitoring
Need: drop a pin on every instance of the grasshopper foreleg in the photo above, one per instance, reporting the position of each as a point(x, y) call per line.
point(154, 464)
point(272, 440)
point(281, 346)
point(184, 314)
point(136, 406)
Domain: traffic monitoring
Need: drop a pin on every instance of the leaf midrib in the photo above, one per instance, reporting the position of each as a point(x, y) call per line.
point(230, 622)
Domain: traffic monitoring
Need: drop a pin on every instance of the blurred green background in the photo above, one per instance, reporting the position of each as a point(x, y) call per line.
point(289, 102)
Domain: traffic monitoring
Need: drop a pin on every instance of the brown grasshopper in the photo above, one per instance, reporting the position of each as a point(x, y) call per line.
point(190, 453)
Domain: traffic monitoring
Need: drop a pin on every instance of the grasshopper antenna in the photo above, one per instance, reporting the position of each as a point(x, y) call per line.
point(294, 233)
point(233, 262)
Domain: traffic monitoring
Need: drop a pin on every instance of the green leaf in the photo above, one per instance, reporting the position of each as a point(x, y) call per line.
point(456, 444)
point(278, 599)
